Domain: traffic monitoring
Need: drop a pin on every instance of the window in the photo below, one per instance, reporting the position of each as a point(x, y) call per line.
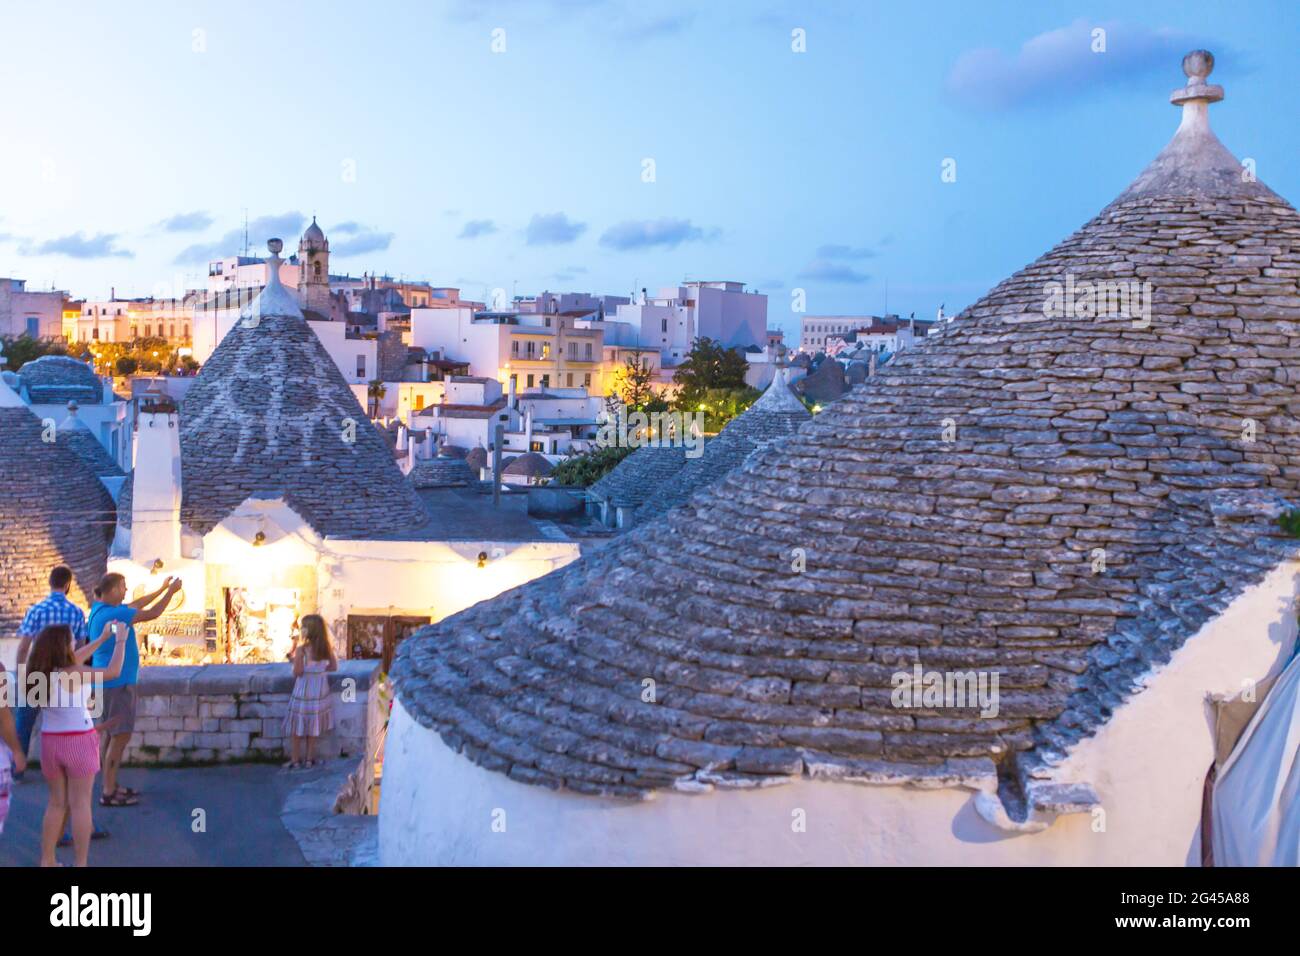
point(546, 381)
point(536, 446)
point(532, 346)
point(530, 381)
point(546, 350)
point(187, 330)
point(514, 348)
point(315, 268)
point(570, 380)
point(586, 380)
point(94, 333)
point(148, 330)
point(419, 402)
point(588, 352)
point(361, 366)
point(135, 331)
point(663, 325)
point(33, 327)
point(171, 330)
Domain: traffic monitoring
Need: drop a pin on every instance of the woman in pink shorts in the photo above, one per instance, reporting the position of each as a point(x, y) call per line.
point(69, 743)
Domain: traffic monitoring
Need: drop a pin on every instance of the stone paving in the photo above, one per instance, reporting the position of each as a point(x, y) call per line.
point(255, 815)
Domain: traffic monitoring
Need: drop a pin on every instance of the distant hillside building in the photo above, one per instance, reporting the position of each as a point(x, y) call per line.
point(26, 312)
point(889, 333)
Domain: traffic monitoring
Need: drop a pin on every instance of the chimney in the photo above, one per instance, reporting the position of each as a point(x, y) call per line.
point(156, 482)
point(528, 429)
point(511, 402)
point(498, 437)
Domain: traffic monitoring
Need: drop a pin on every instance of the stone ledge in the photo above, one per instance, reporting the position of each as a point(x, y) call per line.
point(225, 679)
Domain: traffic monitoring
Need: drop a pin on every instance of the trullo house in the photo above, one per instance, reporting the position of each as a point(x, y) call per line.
point(1053, 525)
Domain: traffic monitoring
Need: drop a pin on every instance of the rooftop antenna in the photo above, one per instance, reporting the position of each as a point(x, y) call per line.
point(245, 232)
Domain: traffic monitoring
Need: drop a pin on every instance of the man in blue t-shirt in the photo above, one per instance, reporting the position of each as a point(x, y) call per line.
point(117, 720)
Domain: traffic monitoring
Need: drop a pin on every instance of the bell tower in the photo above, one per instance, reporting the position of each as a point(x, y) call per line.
point(314, 270)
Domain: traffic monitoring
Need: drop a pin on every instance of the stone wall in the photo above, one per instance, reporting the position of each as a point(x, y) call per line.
point(230, 712)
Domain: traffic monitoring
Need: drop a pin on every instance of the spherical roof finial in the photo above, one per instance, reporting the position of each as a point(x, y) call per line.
point(1197, 93)
point(275, 245)
point(1198, 65)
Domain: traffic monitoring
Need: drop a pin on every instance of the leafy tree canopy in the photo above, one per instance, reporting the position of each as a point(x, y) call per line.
point(708, 367)
point(586, 469)
point(721, 405)
point(21, 349)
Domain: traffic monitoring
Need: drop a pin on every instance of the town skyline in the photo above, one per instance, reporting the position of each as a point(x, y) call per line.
point(496, 186)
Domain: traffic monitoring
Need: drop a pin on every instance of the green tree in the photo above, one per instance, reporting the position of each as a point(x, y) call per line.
point(632, 384)
point(586, 469)
point(375, 392)
point(21, 349)
point(721, 405)
point(708, 366)
point(126, 365)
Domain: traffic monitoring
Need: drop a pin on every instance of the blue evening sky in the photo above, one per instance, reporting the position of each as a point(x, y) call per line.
point(133, 144)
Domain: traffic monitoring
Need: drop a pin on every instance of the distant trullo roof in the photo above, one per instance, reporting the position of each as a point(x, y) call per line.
point(635, 478)
point(75, 434)
point(528, 465)
point(1055, 495)
point(58, 379)
point(441, 472)
point(825, 384)
point(53, 510)
point(270, 413)
point(774, 417)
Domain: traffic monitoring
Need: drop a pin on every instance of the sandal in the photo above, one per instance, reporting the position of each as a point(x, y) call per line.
point(126, 792)
point(290, 765)
point(95, 834)
point(117, 799)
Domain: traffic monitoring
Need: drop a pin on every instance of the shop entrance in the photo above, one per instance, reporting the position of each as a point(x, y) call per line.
point(261, 624)
point(376, 636)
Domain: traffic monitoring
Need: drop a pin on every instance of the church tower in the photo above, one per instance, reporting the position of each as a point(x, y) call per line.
point(314, 270)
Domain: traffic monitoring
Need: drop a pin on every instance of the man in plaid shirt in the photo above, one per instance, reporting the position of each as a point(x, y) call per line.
point(55, 609)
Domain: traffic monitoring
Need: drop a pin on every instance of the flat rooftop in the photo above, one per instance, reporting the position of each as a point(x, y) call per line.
point(465, 514)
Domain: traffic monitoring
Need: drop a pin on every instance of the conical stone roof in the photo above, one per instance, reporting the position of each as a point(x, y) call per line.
point(776, 416)
point(74, 433)
point(634, 479)
point(53, 510)
point(1060, 499)
point(270, 413)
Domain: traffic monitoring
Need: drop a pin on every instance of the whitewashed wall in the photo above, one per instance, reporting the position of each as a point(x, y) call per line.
point(1147, 765)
